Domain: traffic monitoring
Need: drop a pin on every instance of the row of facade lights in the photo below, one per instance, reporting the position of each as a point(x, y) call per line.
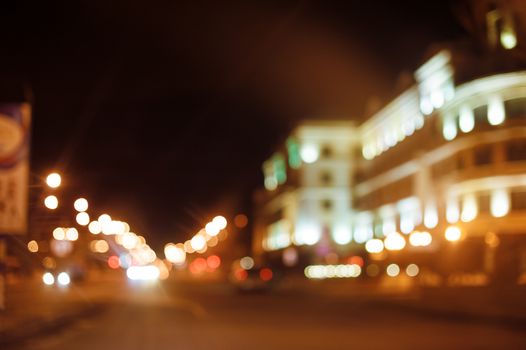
point(206, 237)
point(139, 253)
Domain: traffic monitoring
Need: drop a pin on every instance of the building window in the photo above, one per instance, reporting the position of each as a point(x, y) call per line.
point(516, 108)
point(326, 178)
point(326, 152)
point(518, 200)
point(516, 150)
point(484, 202)
point(326, 204)
point(483, 155)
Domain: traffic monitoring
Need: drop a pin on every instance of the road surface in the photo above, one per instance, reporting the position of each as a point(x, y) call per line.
point(207, 317)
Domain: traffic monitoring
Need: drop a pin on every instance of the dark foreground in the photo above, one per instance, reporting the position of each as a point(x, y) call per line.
point(205, 316)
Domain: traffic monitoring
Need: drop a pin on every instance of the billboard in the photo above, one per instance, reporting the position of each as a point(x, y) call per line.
point(15, 122)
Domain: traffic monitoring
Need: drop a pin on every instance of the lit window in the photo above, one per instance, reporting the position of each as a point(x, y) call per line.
point(466, 119)
point(496, 113)
point(469, 208)
point(500, 203)
point(449, 128)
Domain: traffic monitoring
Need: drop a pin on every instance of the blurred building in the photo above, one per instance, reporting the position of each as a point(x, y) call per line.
point(447, 156)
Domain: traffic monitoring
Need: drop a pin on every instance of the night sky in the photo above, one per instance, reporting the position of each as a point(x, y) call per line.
point(161, 113)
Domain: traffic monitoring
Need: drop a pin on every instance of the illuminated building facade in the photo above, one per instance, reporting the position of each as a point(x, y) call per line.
point(438, 174)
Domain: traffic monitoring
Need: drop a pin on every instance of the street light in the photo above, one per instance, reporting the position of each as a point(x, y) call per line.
point(53, 180)
point(51, 202)
point(81, 205)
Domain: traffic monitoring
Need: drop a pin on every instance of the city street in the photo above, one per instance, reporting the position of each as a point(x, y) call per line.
point(213, 316)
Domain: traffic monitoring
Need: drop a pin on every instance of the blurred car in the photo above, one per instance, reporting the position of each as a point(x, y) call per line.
point(255, 279)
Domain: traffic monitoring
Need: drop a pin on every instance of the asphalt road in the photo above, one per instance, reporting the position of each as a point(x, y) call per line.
point(213, 317)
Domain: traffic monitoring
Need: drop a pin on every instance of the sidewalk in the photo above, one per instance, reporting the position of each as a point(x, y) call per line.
point(33, 308)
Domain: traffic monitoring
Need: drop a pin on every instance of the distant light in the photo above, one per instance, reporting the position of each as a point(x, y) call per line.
point(332, 271)
point(49, 263)
point(82, 219)
point(449, 128)
point(372, 270)
point(265, 274)
point(374, 246)
point(95, 227)
point(213, 261)
point(212, 242)
point(212, 229)
point(500, 203)
point(63, 279)
point(197, 266)
point(198, 242)
point(113, 262)
point(175, 253)
point(492, 240)
point(309, 153)
point(125, 260)
point(420, 239)
point(104, 219)
point(32, 246)
point(220, 222)
point(72, 234)
point(508, 38)
point(308, 233)
point(240, 220)
point(48, 278)
point(99, 246)
point(426, 106)
point(412, 270)
point(59, 234)
point(81, 204)
point(452, 211)
point(496, 112)
point(342, 235)
point(290, 256)
point(469, 208)
point(466, 119)
point(188, 247)
point(356, 260)
point(368, 152)
point(453, 234)
point(246, 263)
point(129, 240)
point(240, 274)
point(430, 216)
point(271, 183)
point(51, 202)
point(394, 241)
point(437, 98)
point(393, 270)
point(143, 273)
point(53, 180)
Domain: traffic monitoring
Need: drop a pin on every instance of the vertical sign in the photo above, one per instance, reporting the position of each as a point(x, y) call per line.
point(15, 120)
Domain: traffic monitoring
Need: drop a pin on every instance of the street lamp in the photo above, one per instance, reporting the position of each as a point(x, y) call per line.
point(53, 180)
point(51, 202)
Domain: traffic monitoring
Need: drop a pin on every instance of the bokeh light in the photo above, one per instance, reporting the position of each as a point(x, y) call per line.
point(82, 219)
point(51, 202)
point(81, 204)
point(246, 263)
point(95, 227)
point(393, 270)
point(240, 220)
point(59, 233)
point(53, 180)
point(32, 246)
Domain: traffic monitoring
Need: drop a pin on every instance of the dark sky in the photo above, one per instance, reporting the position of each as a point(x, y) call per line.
point(161, 113)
